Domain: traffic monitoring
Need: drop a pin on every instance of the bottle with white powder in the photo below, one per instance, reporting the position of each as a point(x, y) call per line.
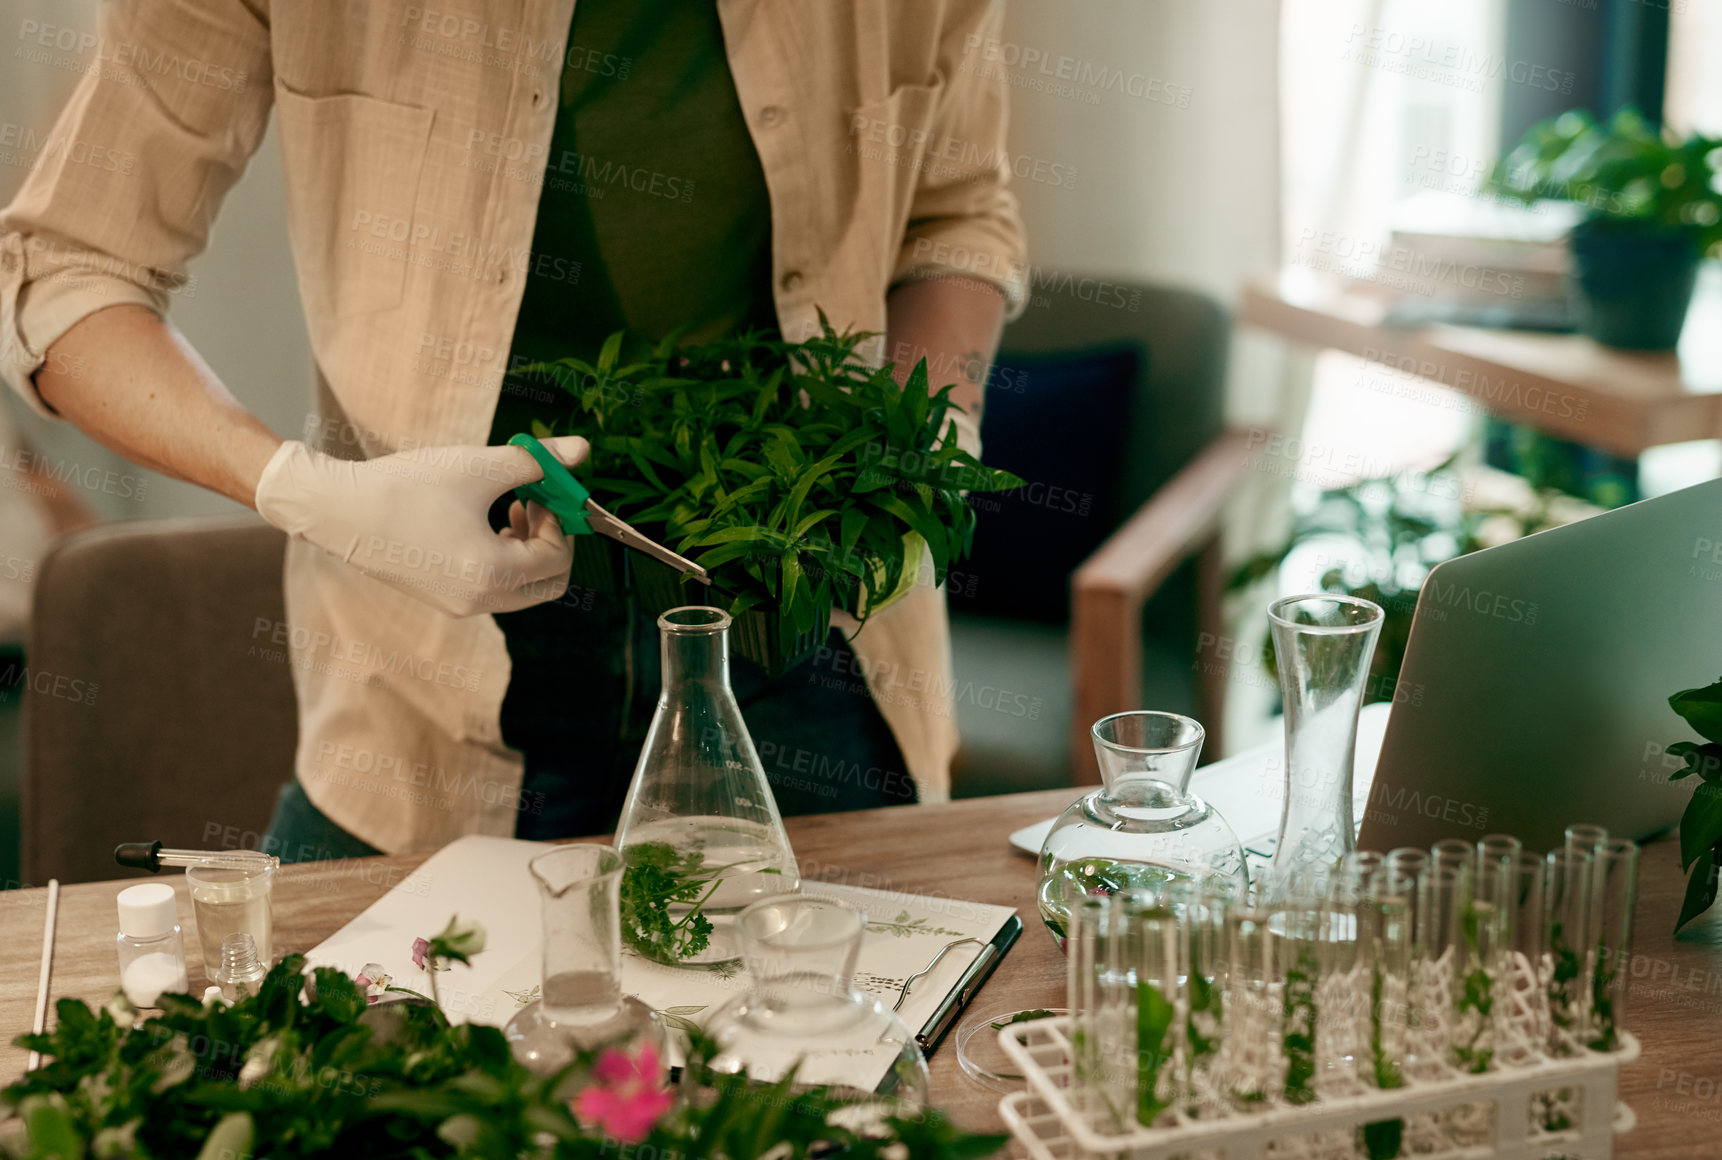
point(151, 948)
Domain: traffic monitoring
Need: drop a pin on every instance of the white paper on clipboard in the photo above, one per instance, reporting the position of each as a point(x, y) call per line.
point(487, 880)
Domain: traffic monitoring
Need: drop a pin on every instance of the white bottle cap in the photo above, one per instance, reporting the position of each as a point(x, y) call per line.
point(147, 910)
point(212, 994)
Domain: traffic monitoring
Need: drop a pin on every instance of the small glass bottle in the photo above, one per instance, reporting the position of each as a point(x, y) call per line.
point(241, 971)
point(151, 948)
point(699, 804)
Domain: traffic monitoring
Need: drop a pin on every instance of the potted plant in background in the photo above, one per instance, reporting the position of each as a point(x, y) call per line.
point(1655, 209)
point(801, 478)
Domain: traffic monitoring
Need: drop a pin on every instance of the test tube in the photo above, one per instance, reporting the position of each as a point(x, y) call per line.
point(1525, 1002)
point(1386, 941)
point(1441, 893)
point(1493, 849)
point(1251, 1062)
point(1615, 886)
point(1153, 937)
point(1455, 853)
point(1586, 836)
point(1567, 916)
point(1297, 965)
point(1342, 989)
point(1201, 905)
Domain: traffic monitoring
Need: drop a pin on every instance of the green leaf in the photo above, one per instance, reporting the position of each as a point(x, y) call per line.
point(611, 350)
point(1702, 709)
point(1704, 760)
point(1700, 889)
point(1701, 824)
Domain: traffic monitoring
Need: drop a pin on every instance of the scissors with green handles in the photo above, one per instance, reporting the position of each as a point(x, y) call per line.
point(580, 514)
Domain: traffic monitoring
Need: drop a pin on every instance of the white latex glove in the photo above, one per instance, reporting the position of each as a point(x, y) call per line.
point(417, 520)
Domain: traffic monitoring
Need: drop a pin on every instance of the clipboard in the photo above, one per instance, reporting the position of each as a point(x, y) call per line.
point(933, 1032)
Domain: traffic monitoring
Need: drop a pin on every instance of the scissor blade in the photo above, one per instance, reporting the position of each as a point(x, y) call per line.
point(606, 524)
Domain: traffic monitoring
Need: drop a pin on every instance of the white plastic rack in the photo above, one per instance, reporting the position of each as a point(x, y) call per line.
point(1495, 1116)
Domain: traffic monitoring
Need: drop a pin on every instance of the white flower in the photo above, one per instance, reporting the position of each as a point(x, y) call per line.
point(258, 1060)
point(122, 1012)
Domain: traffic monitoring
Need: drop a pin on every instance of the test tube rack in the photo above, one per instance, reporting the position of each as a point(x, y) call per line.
point(1498, 1115)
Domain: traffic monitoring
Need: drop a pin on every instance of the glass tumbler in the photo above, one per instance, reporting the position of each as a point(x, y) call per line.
point(228, 901)
point(801, 1010)
point(580, 1005)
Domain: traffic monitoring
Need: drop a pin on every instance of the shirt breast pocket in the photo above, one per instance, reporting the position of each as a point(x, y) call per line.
point(892, 142)
point(352, 170)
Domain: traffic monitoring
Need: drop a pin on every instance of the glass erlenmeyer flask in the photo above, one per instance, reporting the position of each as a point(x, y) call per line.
point(581, 1006)
point(1143, 828)
point(700, 831)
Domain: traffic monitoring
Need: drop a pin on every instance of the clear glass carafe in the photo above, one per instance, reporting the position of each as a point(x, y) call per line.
point(699, 806)
point(1143, 828)
point(802, 1010)
point(581, 1007)
point(1322, 647)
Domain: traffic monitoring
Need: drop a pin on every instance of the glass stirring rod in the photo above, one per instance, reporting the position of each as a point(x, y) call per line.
point(152, 857)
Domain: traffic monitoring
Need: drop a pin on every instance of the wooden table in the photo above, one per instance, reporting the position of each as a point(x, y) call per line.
point(959, 850)
point(1564, 384)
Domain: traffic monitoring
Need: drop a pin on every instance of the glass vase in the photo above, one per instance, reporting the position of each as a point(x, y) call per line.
point(1322, 648)
point(1143, 828)
point(801, 1011)
point(580, 1006)
point(699, 808)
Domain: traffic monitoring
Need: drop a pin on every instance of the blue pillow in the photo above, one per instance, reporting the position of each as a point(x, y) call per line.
point(1058, 420)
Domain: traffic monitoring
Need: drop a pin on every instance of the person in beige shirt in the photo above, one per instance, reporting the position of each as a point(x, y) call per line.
point(466, 184)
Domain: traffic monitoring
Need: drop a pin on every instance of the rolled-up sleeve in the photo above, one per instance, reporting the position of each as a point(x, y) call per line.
point(963, 218)
point(174, 99)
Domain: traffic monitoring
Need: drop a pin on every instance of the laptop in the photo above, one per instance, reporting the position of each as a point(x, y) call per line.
point(1534, 691)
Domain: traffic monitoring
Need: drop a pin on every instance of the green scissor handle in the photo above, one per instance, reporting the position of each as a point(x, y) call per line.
point(558, 490)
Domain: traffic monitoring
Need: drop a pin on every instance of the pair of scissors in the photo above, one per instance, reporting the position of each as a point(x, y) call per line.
point(581, 515)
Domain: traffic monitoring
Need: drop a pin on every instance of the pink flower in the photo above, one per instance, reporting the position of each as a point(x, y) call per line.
point(627, 1094)
point(420, 946)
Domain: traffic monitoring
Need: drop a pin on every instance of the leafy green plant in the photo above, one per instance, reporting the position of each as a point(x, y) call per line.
point(1701, 824)
point(1623, 169)
point(799, 476)
point(1387, 536)
point(305, 1068)
point(655, 878)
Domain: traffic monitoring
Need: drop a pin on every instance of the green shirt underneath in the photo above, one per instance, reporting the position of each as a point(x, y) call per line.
point(654, 214)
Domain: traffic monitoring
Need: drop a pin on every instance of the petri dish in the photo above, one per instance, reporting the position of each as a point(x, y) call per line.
point(978, 1050)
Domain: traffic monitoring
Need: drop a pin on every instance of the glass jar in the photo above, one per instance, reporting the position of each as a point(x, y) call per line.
point(231, 900)
point(151, 947)
point(1143, 828)
point(699, 807)
point(801, 1010)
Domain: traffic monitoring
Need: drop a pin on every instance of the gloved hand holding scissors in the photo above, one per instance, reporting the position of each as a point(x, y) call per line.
point(418, 520)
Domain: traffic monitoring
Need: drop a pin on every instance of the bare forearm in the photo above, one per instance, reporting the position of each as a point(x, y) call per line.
point(953, 323)
point(130, 381)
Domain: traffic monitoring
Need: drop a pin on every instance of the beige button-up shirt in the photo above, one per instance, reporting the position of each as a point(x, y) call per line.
point(415, 140)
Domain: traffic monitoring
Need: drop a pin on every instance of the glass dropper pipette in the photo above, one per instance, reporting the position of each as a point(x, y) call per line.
point(152, 856)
